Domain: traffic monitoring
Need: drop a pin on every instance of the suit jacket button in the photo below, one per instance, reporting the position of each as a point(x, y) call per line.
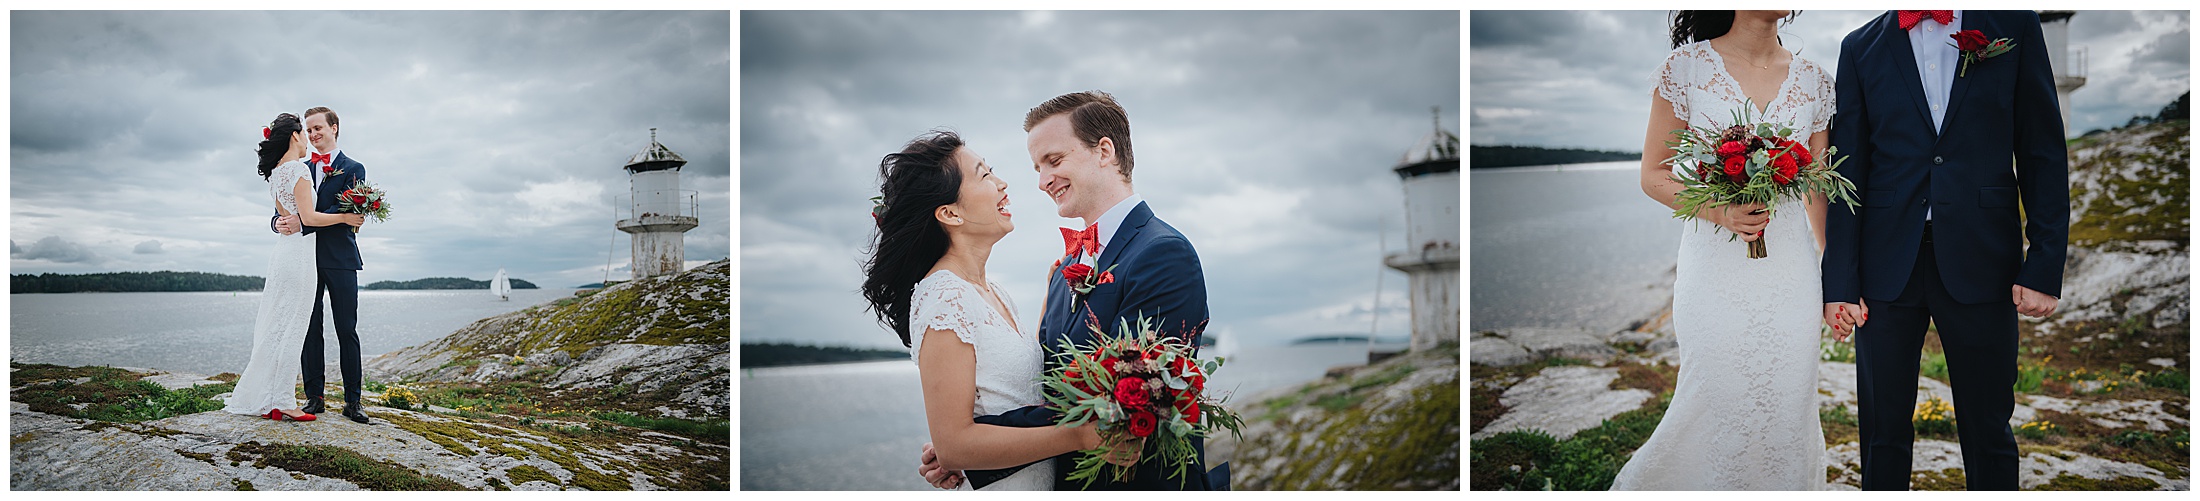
point(1936, 160)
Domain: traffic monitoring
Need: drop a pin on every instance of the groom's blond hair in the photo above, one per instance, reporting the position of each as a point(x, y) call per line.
point(1092, 115)
point(334, 130)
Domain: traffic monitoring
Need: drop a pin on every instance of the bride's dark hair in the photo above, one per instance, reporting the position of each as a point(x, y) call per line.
point(1691, 26)
point(277, 142)
point(919, 179)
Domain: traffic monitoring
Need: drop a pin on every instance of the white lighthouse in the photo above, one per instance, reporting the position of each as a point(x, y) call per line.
point(1430, 171)
point(655, 210)
point(2067, 64)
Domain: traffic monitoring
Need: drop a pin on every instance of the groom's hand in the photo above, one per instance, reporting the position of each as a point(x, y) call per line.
point(930, 469)
point(2031, 303)
point(286, 225)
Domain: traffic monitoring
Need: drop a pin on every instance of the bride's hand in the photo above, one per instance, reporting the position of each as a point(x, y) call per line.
point(353, 219)
point(1747, 220)
point(1126, 453)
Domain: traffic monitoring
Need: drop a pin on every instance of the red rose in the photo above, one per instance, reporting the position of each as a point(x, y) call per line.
point(1783, 169)
point(1142, 424)
point(1731, 149)
point(1734, 169)
point(377, 205)
point(1108, 364)
point(1106, 278)
point(1189, 407)
point(1970, 40)
point(1076, 273)
point(358, 199)
point(328, 169)
point(1131, 392)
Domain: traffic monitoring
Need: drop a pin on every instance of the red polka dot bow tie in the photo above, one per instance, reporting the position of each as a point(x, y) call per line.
point(1087, 240)
point(318, 158)
point(1910, 18)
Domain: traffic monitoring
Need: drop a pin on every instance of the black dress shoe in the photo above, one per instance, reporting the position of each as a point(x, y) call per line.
point(355, 414)
point(314, 406)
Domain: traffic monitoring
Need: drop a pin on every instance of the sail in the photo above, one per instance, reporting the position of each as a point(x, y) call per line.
point(500, 286)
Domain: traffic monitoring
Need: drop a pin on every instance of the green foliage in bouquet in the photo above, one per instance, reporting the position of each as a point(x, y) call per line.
point(1707, 172)
point(1136, 384)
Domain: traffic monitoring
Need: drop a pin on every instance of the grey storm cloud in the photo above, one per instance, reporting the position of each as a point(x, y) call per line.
point(498, 135)
point(1266, 137)
point(1583, 78)
point(54, 249)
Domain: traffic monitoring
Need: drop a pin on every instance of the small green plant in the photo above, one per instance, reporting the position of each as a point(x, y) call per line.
point(2037, 430)
point(1934, 417)
point(2168, 378)
point(2029, 378)
point(1934, 366)
point(1838, 414)
point(1836, 351)
point(400, 397)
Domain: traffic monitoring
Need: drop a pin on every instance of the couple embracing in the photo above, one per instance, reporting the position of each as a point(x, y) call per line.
point(1954, 141)
point(940, 214)
point(315, 251)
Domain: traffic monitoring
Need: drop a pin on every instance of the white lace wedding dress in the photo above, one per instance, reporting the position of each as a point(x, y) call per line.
point(1744, 414)
point(1009, 362)
point(286, 307)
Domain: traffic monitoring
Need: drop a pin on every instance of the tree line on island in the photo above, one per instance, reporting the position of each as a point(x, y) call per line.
point(1482, 157)
point(755, 355)
point(193, 281)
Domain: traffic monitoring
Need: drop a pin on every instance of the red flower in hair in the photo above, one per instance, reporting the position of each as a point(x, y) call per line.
point(266, 132)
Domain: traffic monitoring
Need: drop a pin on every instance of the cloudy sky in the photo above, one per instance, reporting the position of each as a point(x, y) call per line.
point(1267, 138)
point(1583, 79)
point(499, 135)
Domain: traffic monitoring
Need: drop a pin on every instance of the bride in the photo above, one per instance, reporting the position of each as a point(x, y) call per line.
point(267, 387)
point(943, 210)
point(1744, 413)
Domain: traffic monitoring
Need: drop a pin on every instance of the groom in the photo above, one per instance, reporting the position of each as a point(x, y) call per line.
point(338, 256)
point(1959, 168)
point(1080, 143)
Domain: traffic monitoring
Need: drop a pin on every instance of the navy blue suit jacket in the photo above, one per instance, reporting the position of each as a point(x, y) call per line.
point(1995, 176)
point(1157, 275)
point(337, 249)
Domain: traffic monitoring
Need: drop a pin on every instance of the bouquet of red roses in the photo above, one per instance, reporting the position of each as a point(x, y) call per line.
point(363, 198)
point(1750, 163)
point(1140, 386)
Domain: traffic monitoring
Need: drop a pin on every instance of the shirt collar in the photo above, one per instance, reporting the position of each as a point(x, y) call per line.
point(1113, 219)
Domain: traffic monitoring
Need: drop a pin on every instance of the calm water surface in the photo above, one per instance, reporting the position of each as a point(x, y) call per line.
point(211, 332)
point(1567, 246)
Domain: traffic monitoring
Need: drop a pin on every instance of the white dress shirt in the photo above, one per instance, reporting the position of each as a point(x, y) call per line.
point(1108, 222)
point(1937, 62)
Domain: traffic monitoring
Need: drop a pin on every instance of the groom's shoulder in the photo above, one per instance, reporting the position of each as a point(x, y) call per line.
point(1863, 33)
point(345, 157)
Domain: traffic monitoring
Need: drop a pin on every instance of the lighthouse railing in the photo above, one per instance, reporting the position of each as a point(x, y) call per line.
point(683, 203)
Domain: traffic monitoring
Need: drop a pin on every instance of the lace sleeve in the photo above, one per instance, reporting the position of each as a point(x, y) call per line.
point(1671, 81)
point(933, 306)
point(1821, 117)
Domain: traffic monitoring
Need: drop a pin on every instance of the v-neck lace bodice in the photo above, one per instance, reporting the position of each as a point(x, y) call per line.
point(1695, 79)
point(1008, 361)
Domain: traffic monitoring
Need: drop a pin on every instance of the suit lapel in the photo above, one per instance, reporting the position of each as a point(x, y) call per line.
point(1963, 83)
point(1896, 39)
point(1132, 223)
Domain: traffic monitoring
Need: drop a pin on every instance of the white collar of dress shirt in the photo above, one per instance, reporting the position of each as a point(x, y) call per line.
point(1113, 219)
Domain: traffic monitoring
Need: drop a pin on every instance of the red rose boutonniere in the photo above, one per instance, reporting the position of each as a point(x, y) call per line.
point(1975, 46)
point(1082, 280)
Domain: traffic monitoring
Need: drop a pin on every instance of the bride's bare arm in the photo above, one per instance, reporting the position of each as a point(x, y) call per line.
point(303, 191)
point(1818, 144)
point(947, 368)
point(1657, 177)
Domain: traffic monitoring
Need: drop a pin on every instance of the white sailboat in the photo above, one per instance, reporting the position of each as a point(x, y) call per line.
point(501, 286)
